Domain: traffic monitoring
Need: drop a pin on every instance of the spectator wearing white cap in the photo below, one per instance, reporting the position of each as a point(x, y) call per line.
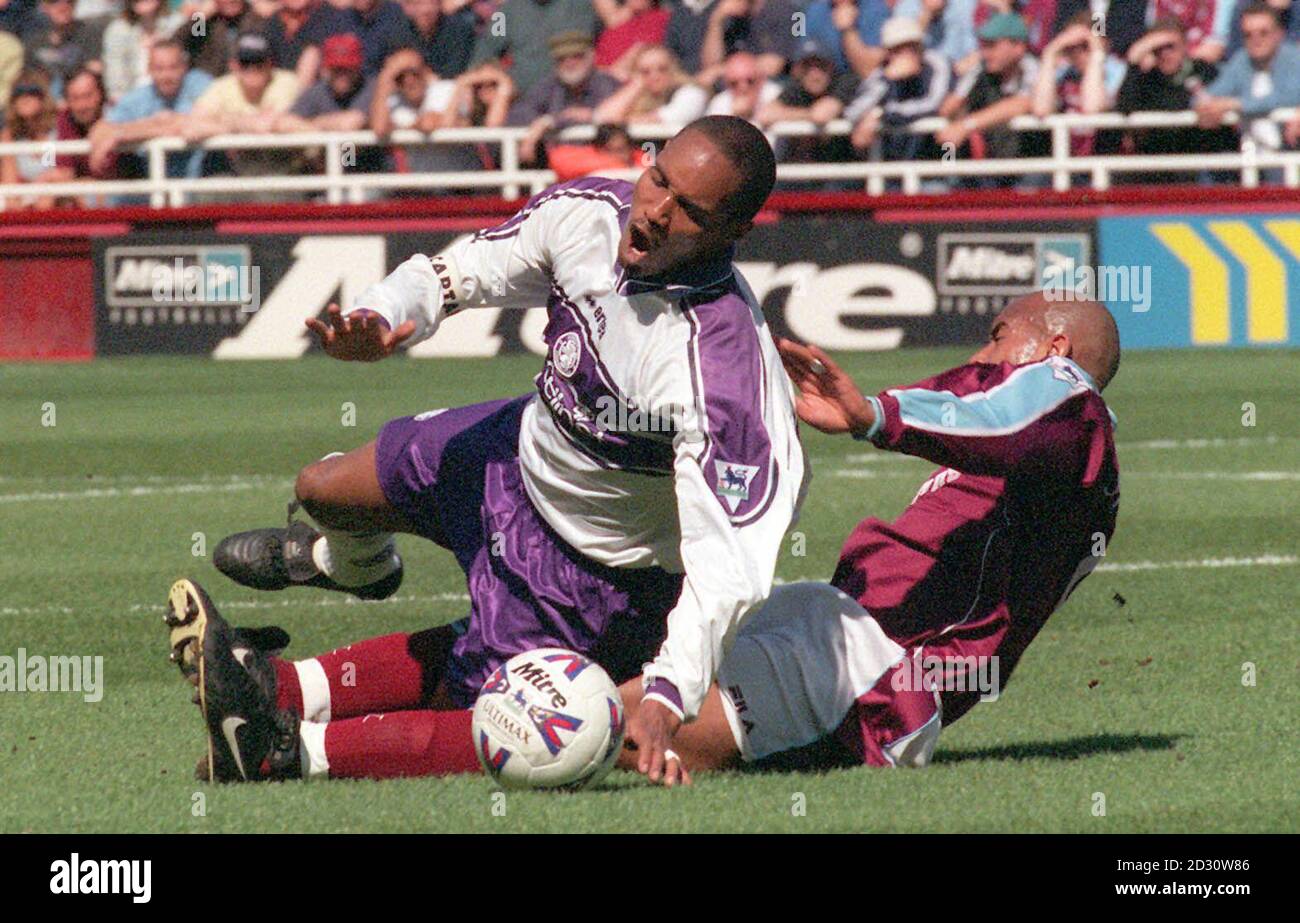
point(910, 84)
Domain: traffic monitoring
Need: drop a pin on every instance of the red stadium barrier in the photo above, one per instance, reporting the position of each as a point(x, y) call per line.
point(48, 308)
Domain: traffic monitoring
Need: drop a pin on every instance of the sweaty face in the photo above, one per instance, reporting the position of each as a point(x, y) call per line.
point(1016, 337)
point(678, 209)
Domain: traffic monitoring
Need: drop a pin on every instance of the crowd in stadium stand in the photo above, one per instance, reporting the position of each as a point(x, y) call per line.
point(119, 72)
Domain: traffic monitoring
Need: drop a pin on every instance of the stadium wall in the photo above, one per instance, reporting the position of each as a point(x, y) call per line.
point(1179, 266)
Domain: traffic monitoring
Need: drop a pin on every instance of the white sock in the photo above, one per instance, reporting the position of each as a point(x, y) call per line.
point(315, 764)
point(315, 687)
point(355, 558)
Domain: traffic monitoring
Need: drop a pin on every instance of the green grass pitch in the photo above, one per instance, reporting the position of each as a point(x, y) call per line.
point(1142, 702)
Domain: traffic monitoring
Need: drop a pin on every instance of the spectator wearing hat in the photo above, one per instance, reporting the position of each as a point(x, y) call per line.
point(127, 41)
point(568, 97)
point(157, 109)
point(1077, 74)
point(248, 100)
point(746, 89)
point(1000, 88)
point(814, 93)
point(211, 47)
point(529, 26)
point(296, 32)
point(910, 84)
point(629, 25)
point(446, 41)
point(949, 27)
point(340, 100)
point(61, 44)
point(658, 91)
point(764, 28)
point(1264, 75)
point(382, 27)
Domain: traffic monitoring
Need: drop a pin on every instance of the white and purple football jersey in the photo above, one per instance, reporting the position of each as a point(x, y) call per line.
point(663, 431)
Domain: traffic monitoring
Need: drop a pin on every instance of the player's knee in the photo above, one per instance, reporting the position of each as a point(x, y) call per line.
point(313, 487)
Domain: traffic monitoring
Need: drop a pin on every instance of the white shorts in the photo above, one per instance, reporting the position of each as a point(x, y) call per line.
point(798, 666)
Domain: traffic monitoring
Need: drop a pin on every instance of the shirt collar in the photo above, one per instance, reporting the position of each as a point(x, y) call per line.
point(698, 277)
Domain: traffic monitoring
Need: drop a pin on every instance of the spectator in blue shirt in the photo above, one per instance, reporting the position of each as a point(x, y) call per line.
point(851, 30)
point(1263, 76)
point(949, 26)
point(154, 110)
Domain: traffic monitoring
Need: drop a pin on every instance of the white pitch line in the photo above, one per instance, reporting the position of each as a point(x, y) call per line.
point(1263, 560)
point(100, 493)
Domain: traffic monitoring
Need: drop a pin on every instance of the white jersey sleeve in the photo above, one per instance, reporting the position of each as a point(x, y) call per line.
point(738, 480)
point(511, 265)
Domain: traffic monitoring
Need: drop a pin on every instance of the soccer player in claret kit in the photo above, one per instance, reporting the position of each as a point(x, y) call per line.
point(631, 510)
point(995, 541)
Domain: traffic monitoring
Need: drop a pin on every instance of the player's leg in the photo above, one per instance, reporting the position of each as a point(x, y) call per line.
point(351, 547)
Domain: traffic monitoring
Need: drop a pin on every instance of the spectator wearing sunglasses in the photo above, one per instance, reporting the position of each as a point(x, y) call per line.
point(1164, 77)
point(746, 88)
point(1264, 75)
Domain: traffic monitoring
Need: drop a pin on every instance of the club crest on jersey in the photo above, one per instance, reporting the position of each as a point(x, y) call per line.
point(733, 482)
point(549, 723)
point(567, 353)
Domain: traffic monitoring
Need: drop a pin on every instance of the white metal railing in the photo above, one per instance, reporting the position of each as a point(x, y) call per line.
point(338, 184)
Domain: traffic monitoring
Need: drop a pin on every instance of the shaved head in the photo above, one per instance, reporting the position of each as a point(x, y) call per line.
point(1034, 326)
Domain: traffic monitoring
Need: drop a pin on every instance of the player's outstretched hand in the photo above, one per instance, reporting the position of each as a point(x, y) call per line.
point(828, 398)
point(360, 337)
point(651, 729)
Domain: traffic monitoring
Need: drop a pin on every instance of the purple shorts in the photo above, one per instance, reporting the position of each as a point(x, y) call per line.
point(456, 476)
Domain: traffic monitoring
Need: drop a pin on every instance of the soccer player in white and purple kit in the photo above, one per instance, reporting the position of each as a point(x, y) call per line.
point(631, 509)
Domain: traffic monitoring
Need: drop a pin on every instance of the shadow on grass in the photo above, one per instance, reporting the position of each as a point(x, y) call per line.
point(828, 754)
point(1070, 749)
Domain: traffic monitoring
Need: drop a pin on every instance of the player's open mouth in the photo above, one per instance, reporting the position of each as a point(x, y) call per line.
point(639, 242)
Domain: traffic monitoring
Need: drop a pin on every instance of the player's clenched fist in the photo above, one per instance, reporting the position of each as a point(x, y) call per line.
point(362, 336)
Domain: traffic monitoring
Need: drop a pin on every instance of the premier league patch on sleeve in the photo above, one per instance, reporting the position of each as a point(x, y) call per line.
point(733, 482)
